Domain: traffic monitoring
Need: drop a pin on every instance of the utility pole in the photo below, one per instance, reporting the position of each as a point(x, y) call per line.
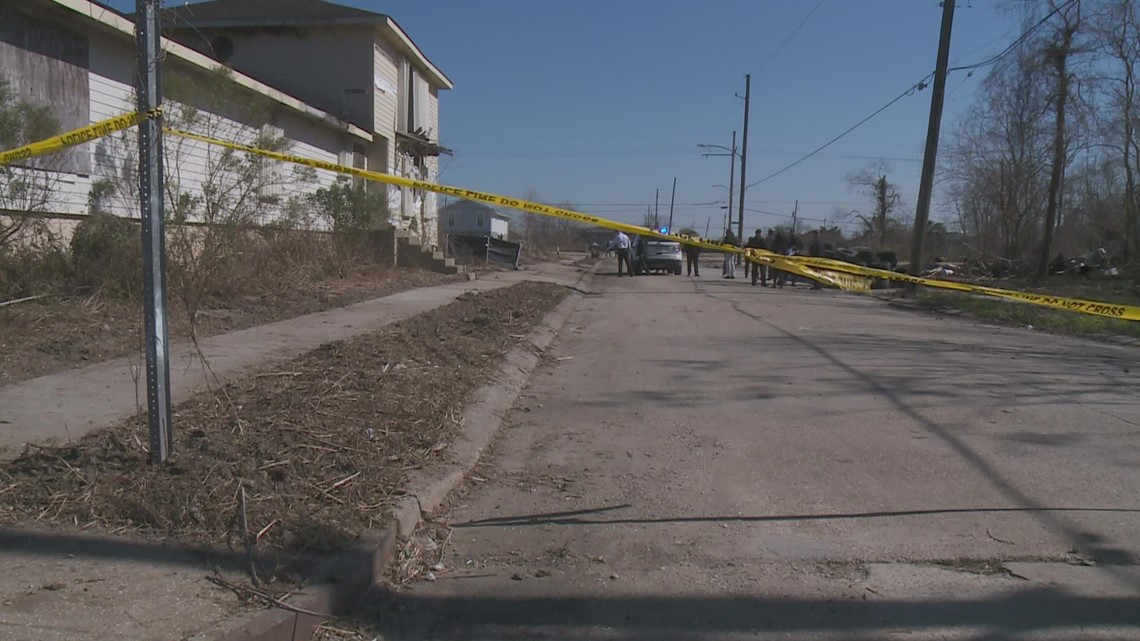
point(743, 160)
point(731, 178)
point(656, 219)
point(707, 223)
point(930, 154)
point(795, 213)
point(672, 199)
point(148, 38)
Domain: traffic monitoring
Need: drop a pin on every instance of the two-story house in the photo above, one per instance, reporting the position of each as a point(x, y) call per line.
point(469, 218)
point(357, 65)
point(77, 58)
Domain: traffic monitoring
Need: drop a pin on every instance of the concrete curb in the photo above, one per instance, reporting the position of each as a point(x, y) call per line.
point(356, 571)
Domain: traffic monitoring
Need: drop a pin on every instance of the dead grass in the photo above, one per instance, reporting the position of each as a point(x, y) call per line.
point(316, 448)
point(52, 334)
point(1025, 315)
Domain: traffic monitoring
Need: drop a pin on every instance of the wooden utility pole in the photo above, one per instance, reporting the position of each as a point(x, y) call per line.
point(743, 160)
point(656, 219)
point(930, 154)
point(731, 178)
point(672, 199)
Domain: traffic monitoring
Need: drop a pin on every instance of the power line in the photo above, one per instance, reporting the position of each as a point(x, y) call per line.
point(788, 39)
point(918, 86)
point(1013, 45)
point(910, 90)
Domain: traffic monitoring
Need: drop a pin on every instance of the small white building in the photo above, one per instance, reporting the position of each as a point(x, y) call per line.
point(78, 57)
point(469, 218)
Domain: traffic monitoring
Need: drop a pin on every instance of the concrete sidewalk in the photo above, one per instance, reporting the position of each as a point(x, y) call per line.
point(67, 405)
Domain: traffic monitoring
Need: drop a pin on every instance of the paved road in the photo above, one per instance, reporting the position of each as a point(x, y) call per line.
point(705, 459)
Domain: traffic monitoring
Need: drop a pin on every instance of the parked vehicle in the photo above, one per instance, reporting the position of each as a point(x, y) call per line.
point(655, 255)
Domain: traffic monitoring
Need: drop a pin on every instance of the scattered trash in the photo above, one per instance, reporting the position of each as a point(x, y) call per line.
point(430, 577)
point(614, 576)
point(565, 358)
point(438, 567)
point(516, 577)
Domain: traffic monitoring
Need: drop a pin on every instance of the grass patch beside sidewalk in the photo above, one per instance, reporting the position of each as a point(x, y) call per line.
point(1025, 315)
point(302, 456)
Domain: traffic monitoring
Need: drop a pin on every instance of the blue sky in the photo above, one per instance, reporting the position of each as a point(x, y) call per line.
point(600, 102)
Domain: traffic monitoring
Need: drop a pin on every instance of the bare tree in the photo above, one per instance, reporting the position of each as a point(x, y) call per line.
point(995, 171)
point(1117, 29)
point(871, 181)
point(1058, 51)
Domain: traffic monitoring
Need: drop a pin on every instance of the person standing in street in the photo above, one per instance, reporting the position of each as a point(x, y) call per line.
point(693, 260)
point(758, 271)
point(620, 244)
point(779, 246)
point(729, 270)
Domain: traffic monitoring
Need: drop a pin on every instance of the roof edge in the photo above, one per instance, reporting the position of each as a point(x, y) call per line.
point(115, 21)
point(440, 78)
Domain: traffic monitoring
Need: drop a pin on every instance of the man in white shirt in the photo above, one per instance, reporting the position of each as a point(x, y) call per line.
point(620, 243)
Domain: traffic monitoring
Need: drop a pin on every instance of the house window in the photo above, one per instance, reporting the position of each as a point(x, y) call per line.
point(413, 99)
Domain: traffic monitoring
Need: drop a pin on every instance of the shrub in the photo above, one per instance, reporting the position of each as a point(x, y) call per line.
point(106, 254)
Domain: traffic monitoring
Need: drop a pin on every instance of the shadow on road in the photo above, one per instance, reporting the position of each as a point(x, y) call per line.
point(413, 616)
point(899, 396)
point(588, 517)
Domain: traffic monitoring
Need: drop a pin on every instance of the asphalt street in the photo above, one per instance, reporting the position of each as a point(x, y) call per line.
point(704, 459)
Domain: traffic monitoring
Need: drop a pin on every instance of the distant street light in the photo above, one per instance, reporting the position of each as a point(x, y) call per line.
point(733, 155)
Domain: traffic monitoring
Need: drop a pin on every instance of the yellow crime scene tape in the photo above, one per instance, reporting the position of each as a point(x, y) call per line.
point(846, 276)
point(72, 138)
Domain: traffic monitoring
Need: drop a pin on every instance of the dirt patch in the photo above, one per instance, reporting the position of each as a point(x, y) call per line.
point(320, 446)
point(51, 334)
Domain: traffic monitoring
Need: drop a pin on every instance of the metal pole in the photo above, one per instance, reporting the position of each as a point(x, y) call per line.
point(744, 160)
point(148, 38)
point(930, 154)
point(672, 199)
point(731, 178)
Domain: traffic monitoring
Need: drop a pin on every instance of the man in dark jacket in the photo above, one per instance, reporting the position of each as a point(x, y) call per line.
point(692, 260)
point(779, 246)
point(758, 271)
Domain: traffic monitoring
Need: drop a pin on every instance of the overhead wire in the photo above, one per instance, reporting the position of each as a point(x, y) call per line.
point(788, 39)
point(921, 84)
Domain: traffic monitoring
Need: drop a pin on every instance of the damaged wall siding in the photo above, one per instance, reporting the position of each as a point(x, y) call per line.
point(47, 66)
point(103, 88)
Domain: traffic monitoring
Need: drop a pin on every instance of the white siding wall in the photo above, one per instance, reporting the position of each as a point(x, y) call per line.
point(499, 228)
point(386, 73)
point(328, 68)
point(114, 158)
